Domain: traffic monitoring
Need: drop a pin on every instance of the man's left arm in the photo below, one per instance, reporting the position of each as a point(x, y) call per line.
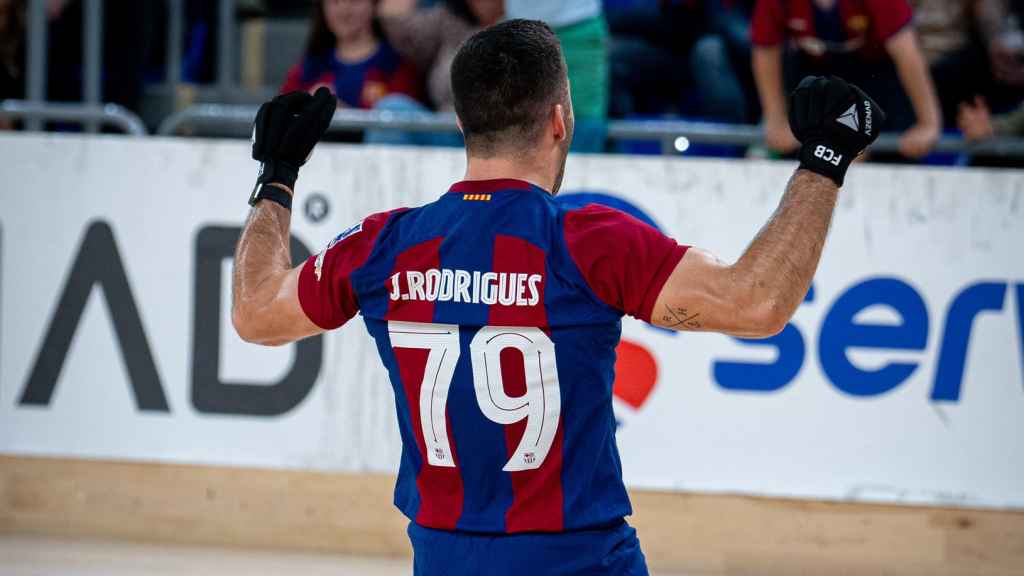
point(265, 296)
point(265, 307)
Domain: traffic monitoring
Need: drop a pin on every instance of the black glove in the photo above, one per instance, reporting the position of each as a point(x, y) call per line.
point(286, 130)
point(834, 122)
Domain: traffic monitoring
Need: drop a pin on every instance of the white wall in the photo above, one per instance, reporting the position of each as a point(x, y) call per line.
point(832, 431)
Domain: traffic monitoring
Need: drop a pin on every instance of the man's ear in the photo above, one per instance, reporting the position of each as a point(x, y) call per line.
point(459, 124)
point(558, 127)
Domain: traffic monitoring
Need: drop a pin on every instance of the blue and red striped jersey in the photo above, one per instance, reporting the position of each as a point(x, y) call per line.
point(497, 312)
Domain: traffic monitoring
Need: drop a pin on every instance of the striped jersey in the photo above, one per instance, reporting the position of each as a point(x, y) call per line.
point(497, 312)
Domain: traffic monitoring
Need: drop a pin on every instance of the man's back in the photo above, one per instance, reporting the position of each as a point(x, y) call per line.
point(497, 313)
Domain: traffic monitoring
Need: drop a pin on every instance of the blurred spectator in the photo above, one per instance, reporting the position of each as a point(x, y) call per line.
point(691, 57)
point(129, 35)
point(964, 63)
point(977, 122)
point(943, 26)
point(1001, 30)
point(721, 63)
point(944, 29)
point(581, 28)
point(430, 38)
point(871, 43)
point(346, 54)
point(12, 53)
point(651, 43)
point(1001, 26)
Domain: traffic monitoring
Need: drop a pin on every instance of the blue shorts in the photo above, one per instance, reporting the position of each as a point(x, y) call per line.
point(613, 551)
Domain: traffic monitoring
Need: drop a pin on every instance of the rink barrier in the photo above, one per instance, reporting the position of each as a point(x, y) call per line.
point(899, 380)
point(715, 535)
point(878, 430)
point(107, 114)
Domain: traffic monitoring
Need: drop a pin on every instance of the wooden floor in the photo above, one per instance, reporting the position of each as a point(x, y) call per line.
point(346, 517)
point(48, 556)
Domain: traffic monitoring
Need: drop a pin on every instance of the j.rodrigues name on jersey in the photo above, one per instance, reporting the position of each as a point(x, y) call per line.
point(447, 285)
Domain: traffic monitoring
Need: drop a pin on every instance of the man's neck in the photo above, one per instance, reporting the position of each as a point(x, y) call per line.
point(501, 168)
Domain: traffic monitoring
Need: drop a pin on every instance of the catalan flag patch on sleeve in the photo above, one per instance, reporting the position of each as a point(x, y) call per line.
point(477, 197)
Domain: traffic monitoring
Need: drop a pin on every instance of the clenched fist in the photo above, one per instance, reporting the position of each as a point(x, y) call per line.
point(286, 130)
point(834, 122)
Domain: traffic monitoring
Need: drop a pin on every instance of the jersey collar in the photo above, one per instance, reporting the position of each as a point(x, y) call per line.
point(490, 186)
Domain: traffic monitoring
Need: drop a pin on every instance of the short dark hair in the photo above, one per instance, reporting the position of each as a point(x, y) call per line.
point(505, 79)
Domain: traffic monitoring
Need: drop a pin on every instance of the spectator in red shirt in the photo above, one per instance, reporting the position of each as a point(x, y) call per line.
point(871, 43)
point(346, 53)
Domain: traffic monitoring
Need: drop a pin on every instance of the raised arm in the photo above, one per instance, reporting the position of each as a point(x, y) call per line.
point(265, 303)
point(757, 295)
point(265, 306)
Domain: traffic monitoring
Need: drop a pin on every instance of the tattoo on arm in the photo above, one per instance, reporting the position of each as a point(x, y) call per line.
point(681, 318)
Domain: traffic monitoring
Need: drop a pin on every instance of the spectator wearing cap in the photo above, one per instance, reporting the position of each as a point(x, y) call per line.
point(871, 43)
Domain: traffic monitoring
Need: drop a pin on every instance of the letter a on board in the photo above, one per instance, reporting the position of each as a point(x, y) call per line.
point(98, 263)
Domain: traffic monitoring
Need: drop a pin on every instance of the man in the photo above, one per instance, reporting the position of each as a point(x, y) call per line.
point(497, 311)
point(869, 42)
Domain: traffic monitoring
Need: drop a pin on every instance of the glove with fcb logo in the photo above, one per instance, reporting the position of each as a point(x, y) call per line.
point(834, 122)
point(286, 130)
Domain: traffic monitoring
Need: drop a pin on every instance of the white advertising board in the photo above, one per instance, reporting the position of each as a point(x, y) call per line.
point(901, 379)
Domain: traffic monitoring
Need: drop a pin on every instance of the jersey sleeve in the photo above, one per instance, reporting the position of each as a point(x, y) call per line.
point(325, 288)
point(624, 261)
point(889, 17)
point(768, 25)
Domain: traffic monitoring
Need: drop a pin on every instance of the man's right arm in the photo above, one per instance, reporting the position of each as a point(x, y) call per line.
point(756, 296)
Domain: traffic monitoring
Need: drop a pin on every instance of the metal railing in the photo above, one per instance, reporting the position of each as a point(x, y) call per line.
point(92, 50)
point(238, 120)
point(35, 113)
point(204, 119)
point(92, 57)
